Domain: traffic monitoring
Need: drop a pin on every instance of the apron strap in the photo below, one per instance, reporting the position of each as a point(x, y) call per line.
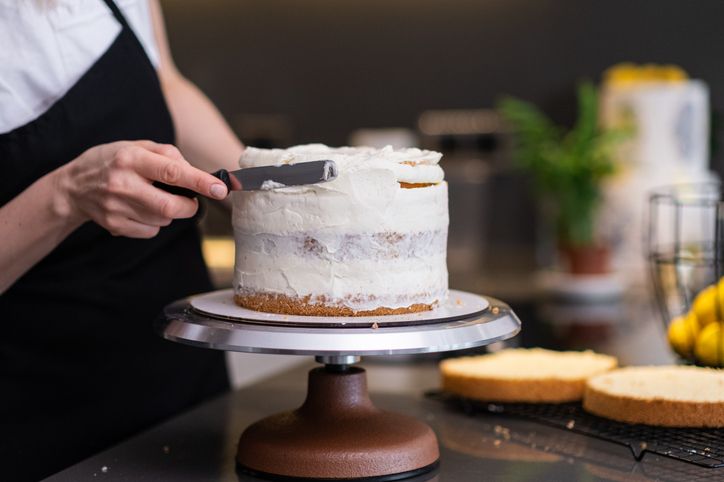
point(117, 13)
point(125, 27)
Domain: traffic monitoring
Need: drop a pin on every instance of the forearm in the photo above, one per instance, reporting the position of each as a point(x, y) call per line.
point(32, 225)
point(203, 136)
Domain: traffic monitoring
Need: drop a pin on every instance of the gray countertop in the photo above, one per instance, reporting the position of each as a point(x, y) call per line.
point(200, 445)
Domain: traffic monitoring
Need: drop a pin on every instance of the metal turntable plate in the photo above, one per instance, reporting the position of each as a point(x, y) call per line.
point(220, 304)
point(182, 323)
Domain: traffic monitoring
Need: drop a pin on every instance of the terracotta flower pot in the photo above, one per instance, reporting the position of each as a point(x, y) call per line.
point(587, 259)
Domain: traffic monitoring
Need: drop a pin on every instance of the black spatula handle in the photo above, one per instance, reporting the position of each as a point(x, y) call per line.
point(221, 174)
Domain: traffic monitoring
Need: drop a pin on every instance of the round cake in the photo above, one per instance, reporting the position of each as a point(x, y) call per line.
point(667, 396)
point(371, 242)
point(525, 375)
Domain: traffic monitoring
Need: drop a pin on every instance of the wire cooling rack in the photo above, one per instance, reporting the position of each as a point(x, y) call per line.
point(702, 447)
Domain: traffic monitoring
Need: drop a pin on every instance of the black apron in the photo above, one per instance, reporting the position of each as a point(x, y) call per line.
point(80, 365)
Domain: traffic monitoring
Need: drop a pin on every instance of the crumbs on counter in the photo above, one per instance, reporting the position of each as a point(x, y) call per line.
point(502, 431)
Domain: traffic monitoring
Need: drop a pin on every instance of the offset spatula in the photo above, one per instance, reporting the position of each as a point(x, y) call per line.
point(267, 177)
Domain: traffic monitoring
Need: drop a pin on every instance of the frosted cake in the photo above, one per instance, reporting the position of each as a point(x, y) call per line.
point(371, 242)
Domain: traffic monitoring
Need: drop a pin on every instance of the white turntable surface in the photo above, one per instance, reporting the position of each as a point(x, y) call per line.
point(220, 304)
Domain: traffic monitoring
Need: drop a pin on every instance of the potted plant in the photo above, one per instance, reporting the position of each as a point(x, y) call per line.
point(568, 168)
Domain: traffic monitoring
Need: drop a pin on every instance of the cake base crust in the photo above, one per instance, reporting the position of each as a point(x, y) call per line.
point(286, 305)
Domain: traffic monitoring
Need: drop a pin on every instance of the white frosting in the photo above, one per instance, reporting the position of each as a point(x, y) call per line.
point(410, 165)
point(361, 240)
point(269, 185)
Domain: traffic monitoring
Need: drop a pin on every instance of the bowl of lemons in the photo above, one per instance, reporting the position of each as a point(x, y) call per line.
point(698, 334)
point(685, 243)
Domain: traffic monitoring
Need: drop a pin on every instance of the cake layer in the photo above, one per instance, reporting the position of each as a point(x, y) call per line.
point(360, 243)
point(521, 375)
point(339, 247)
point(668, 396)
point(362, 284)
point(363, 201)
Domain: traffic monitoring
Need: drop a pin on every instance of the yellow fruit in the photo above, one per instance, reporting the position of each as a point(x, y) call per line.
point(622, 73)
point(673, 73)
point(709, 304)
point(628, 73)
point(683, 332)
point(709, 348)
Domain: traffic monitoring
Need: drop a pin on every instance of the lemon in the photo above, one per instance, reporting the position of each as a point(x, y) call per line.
point(629, 73)
point(622, 73)
point(709, 304)
point(683, 332)
point(673, 73)
point(709, 348)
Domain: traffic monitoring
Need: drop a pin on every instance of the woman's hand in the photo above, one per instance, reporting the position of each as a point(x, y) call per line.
point(111, 184)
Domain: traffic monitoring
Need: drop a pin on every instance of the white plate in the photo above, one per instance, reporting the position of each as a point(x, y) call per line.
point(220, 304)
point(597, 287)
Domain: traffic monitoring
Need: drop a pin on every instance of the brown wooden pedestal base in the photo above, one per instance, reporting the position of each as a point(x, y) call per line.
point(338, 434)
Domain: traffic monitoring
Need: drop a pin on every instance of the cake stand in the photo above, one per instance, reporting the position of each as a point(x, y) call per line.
point(337, 433)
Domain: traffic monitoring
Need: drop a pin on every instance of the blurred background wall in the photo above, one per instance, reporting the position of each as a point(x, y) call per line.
point(317, 69)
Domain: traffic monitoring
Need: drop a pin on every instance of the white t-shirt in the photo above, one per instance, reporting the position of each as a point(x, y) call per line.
point(47, 45)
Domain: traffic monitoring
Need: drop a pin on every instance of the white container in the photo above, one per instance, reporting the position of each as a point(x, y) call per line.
point(670, 145)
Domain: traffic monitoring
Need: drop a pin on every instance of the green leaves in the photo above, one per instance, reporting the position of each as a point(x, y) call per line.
point(568, 167)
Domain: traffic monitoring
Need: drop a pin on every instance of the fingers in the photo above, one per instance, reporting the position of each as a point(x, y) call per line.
point(164, 205)
point(113, 186)
point(128, 189)
point(163, 162)
point(168, 150)
point(143, 216)
point(134, 197)
point(138, 211)
point(123, 226)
